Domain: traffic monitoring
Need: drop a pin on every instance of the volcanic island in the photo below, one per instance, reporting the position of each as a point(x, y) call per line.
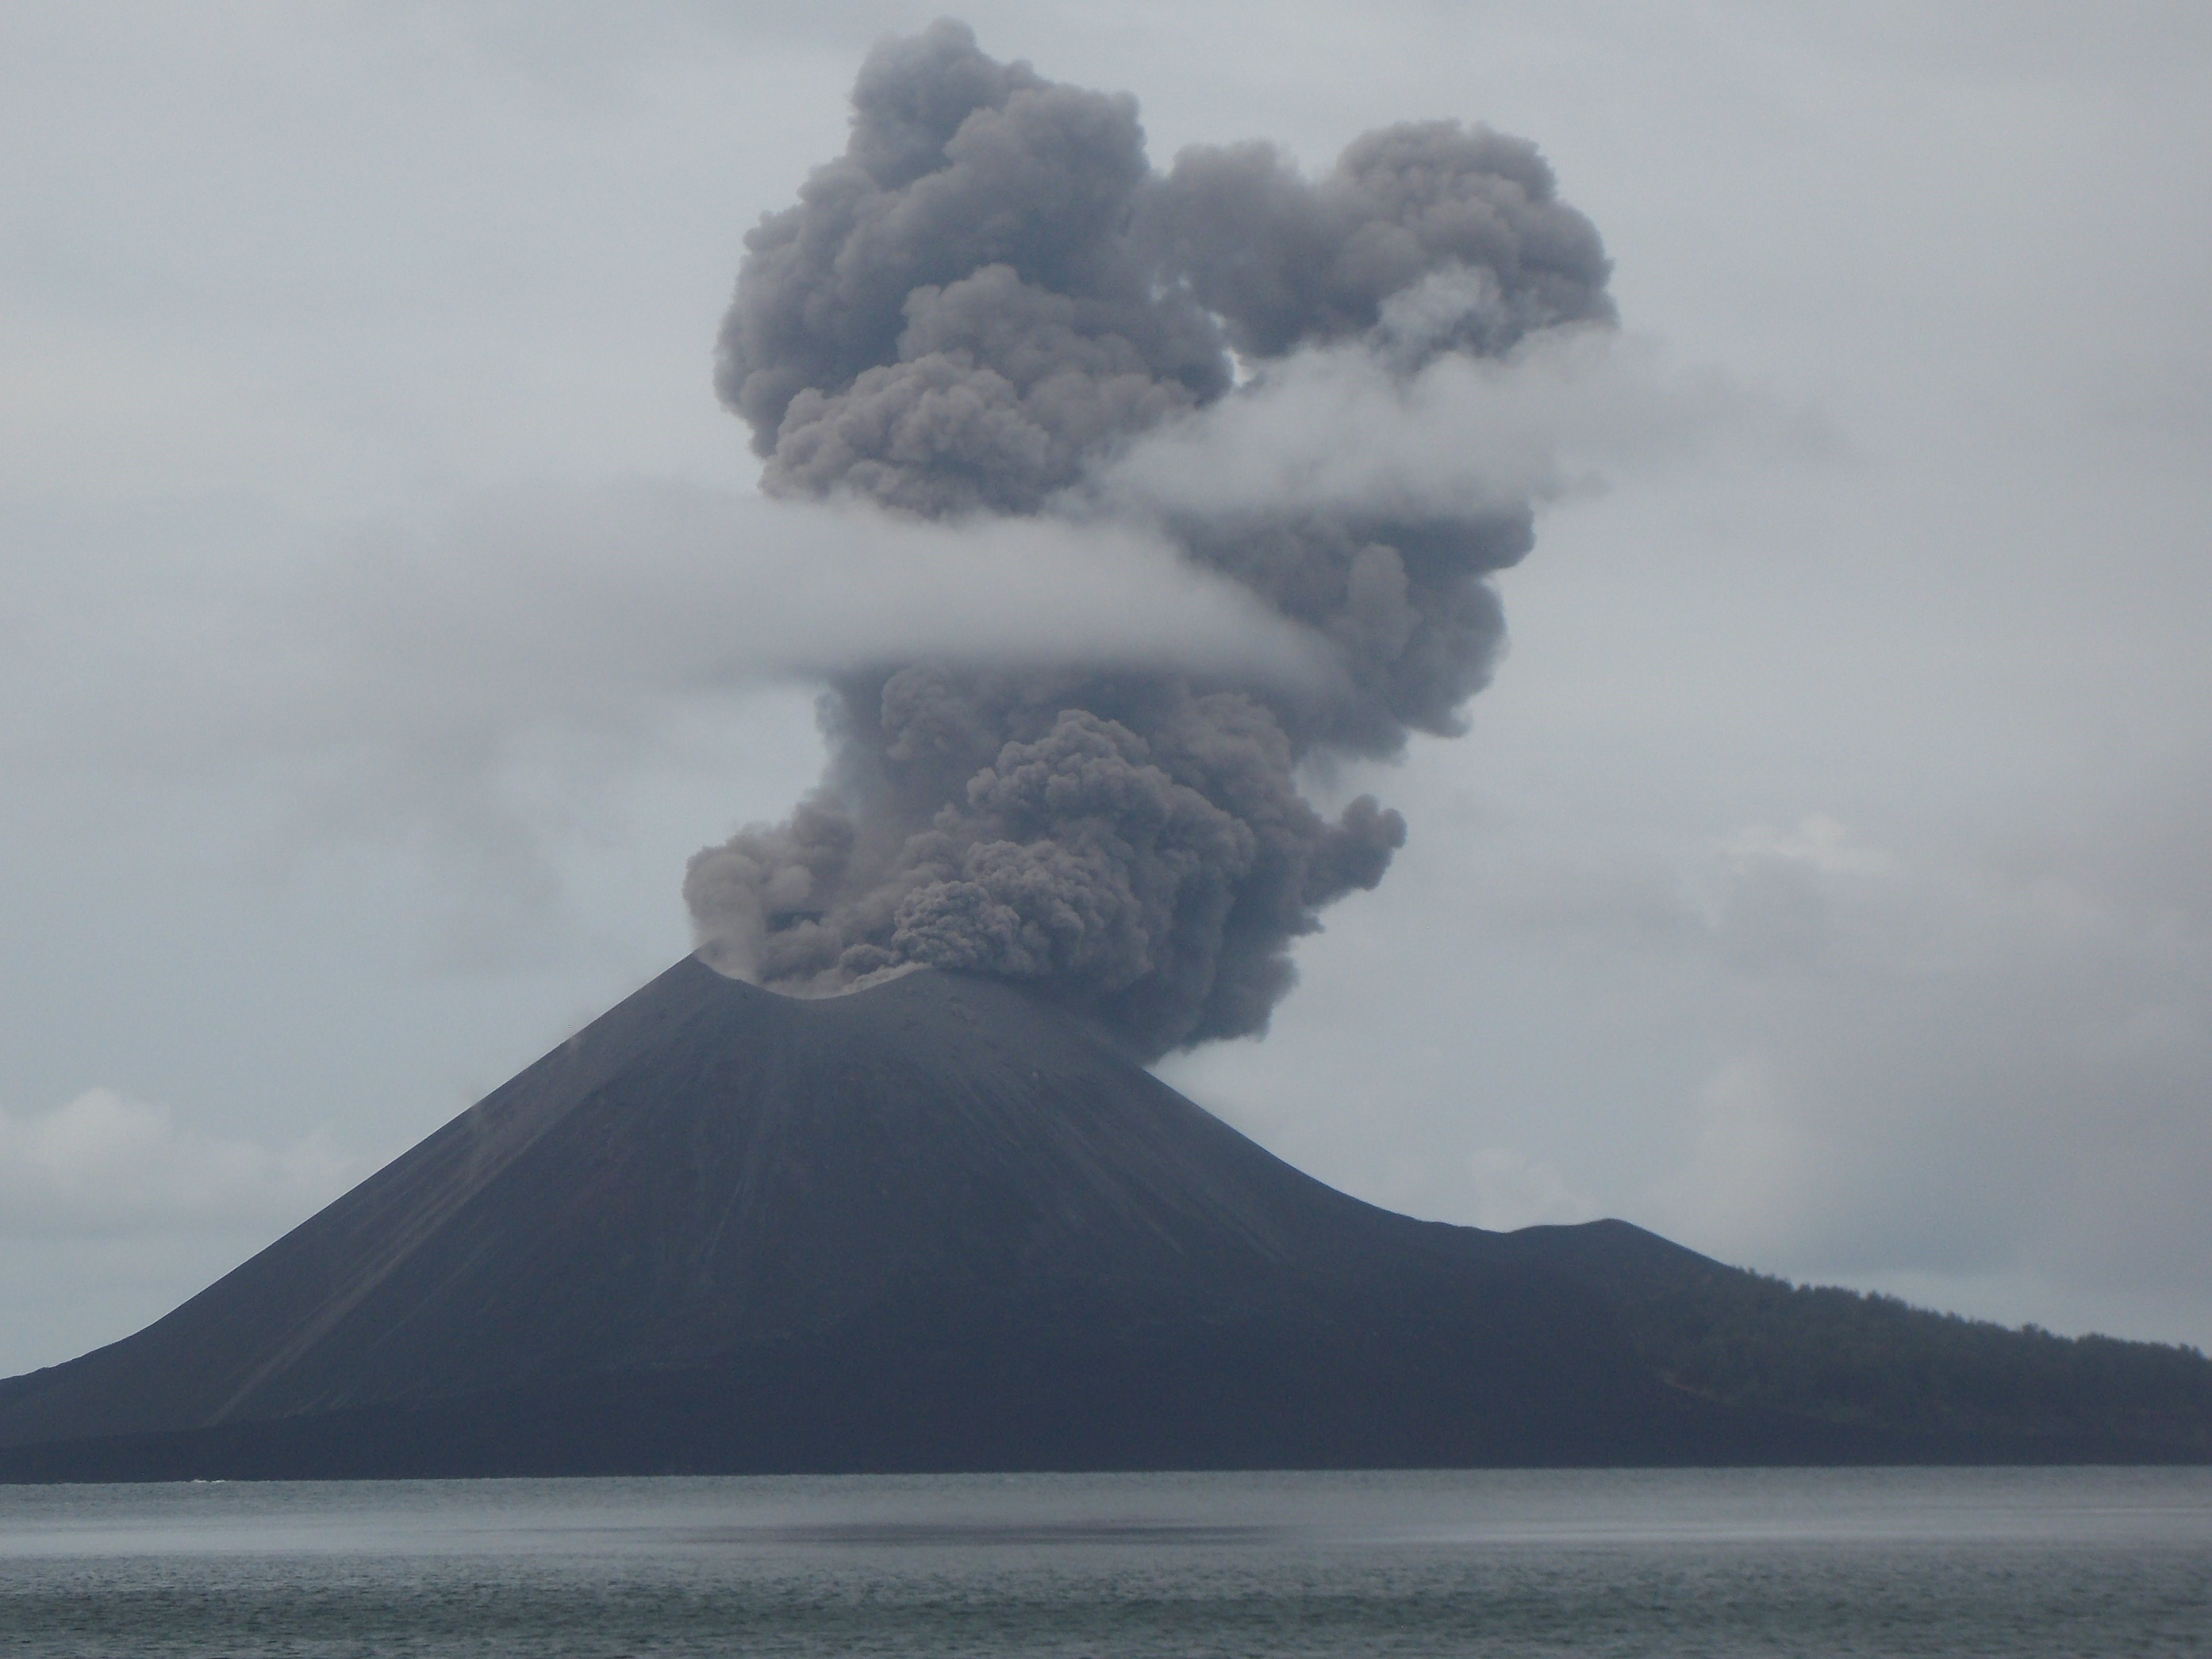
point(942, 1223)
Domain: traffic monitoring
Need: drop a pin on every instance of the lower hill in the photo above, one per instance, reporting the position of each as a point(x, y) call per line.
point(941, 1224)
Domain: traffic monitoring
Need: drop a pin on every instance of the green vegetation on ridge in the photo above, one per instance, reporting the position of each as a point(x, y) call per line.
point(1845, 1357)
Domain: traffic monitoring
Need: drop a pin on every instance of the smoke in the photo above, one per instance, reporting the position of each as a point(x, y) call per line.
point(993, 306)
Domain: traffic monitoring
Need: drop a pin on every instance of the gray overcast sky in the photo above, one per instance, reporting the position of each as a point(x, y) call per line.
point(1822, 882)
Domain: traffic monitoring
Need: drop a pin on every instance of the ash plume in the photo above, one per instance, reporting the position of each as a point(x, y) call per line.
point(992, 305)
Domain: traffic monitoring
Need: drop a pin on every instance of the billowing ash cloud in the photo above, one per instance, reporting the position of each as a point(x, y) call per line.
point(991, 305)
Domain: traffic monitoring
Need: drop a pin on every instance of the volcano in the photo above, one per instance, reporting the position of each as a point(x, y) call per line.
point(937, 1223)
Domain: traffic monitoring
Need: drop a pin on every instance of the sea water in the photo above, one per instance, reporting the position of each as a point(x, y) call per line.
point(2073, 1562)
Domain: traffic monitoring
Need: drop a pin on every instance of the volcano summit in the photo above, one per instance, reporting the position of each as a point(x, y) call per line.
point(940, 1224)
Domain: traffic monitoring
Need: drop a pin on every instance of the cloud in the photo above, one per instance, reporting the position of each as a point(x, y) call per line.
point(565, 600)
point(579, 607)
point(1347, 430)
point(1954, 1065)
point(400, 677)
point(103, 1165)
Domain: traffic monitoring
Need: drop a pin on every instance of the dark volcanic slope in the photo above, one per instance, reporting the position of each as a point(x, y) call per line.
point(708, 1164)
point(932, 1225)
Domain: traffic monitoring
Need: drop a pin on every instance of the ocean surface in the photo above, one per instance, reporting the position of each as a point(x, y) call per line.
point(2072, 1562)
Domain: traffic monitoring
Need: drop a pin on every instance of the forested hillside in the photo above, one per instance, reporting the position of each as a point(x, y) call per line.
point(1843, 1357)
